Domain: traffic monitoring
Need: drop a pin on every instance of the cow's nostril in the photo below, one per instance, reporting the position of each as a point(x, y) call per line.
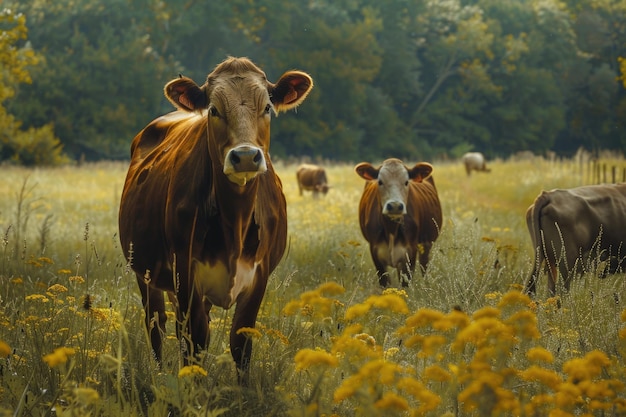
point(234, 158)
point(258, 157)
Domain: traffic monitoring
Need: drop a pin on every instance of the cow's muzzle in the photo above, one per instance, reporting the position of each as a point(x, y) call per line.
point(395, 210)
point(243, 163)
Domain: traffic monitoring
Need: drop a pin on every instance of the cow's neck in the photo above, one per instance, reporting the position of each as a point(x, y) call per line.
point(392, 228)
point(236, 209)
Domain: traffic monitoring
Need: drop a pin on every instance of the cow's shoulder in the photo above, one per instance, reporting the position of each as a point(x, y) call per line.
point(165, 131)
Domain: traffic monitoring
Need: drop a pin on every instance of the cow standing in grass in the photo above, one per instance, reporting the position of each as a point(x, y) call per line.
point(202, 215)
point(400, 215)
point(574, 229)
point(474, 161)
point(312, 178)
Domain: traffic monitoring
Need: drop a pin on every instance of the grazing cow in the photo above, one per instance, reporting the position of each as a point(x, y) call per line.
point(572, 228)
point(202, 214)
point(474, 161)
point(312, 178)
point(400, 215)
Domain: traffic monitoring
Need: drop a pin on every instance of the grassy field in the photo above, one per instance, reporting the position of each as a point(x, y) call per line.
point(460, 340)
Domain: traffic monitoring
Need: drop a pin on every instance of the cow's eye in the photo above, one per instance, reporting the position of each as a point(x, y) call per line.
point(406, 183)
point(268, 109)
point(213, 111)
point(380, 182)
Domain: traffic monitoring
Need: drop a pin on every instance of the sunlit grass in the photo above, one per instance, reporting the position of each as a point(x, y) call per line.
point(328, 340)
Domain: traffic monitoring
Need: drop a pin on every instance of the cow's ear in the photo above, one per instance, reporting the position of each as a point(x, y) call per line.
point(290, 90)
point(420, 171)
point(366, 171)
point(185, 94)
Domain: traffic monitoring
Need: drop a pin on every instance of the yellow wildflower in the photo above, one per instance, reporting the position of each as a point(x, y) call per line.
point(366, 338)
point(393, 401)
point(306, 358)
point(390, 353)
point(58, 357)
point(45, 260)
point(396, 291)
point(429, 400)
point(514, 298)
point(86, 396)
point(492, 295)
point(331, 288)
point(525, 323)
point(431, 344)
point(546, 377)
point(77, 279)
point(37, 297)
point(486, 312)
point(436, 373)
point(357, 310)
point(249, 332)
point(539, 354)
point(17, 281)
point(5, 349)
point(192, 370)
point(57, 289)
point(64, 271)
point(422, 318)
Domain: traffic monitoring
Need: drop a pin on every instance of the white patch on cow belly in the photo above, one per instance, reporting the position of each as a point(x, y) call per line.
point(391, 253)
point(218, 286)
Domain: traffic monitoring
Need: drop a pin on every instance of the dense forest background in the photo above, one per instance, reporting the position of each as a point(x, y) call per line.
point(416, 79)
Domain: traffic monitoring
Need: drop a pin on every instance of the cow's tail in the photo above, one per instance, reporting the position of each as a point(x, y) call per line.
point(533, 222)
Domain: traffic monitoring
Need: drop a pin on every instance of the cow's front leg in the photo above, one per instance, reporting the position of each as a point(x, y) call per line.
point(193, 325)
point(245, 317)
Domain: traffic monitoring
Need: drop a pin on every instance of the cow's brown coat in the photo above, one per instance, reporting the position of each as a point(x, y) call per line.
point(312, 178)
point(398, 229)
point(202, 213)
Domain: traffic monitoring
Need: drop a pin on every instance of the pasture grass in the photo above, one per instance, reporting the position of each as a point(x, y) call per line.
point(460, 340)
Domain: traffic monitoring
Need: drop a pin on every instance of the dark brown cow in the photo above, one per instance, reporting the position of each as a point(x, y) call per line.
point(400, 215)
point(312, 178)
point(474, 161)
point(574, 229)
point(202, 214)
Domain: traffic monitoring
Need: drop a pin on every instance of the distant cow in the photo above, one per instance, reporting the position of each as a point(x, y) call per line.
point(569, 228)
point(474, 161)
point(312, 178)
point(400, 215)
point(202, 213)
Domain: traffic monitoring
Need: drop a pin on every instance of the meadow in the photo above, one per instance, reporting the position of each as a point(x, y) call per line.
point(459, 341)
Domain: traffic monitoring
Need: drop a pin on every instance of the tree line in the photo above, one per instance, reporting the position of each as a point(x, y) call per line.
point(413, 79)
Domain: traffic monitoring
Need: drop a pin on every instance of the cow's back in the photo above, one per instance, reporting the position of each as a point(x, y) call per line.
point(160, 159)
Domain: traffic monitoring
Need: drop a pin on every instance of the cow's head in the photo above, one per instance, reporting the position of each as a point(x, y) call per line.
point(392, 179)
point(239, 101)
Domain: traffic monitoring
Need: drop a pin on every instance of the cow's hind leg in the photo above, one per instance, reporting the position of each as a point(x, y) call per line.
point(154, 308)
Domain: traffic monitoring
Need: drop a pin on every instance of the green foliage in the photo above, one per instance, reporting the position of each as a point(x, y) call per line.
point(33, 146)
point(102, 79)
point(398, 78)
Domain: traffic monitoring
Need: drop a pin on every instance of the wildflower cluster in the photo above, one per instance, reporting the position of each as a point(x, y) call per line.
point(490, 362)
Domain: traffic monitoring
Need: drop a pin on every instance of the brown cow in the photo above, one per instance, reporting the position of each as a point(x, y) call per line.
point(474, 161)
point(399, 214)
point(574, 229)
point(202, 214)
point(312, 178)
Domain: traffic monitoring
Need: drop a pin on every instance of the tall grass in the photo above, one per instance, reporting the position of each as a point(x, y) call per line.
point(329, 341)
